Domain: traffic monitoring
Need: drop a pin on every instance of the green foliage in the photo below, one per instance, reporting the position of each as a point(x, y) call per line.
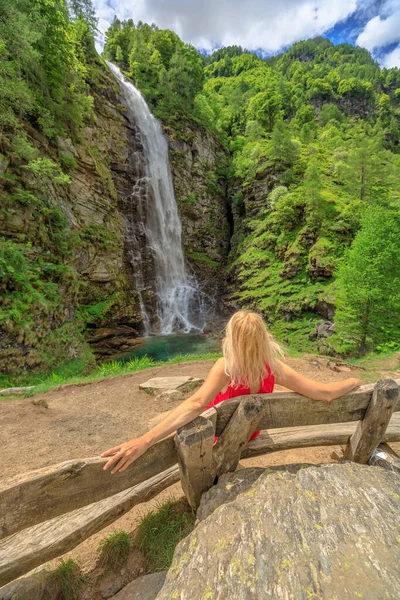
point(83, 10)
point(202, 257)
point(168, 72)
point(162, 529)
point(330, 112)
point(70, 579)
point(368, 282)
point(46, 171)
point(28, 285)
point(114, 550)
point(355, 87)
point(43, 68)
point(283, 151)
point(68, 162)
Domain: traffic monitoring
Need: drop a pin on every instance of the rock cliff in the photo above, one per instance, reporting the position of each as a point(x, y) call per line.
point(198, 164)
point(96, 221)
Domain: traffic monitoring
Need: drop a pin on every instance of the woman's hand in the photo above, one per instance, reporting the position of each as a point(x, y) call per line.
point(125, 454)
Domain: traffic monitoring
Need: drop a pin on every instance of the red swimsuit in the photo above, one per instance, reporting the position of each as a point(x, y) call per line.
point(231, 392)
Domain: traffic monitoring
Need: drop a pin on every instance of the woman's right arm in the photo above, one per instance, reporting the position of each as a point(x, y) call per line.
point(124, 454)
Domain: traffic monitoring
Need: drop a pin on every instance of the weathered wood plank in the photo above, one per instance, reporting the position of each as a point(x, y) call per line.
point(211, 415)
point(385, 457)
point(236, 434)
point(26, 550)
point(34, 497)
point(287, 409)
point(289, 438)
point(194, 445)
point(369, 432)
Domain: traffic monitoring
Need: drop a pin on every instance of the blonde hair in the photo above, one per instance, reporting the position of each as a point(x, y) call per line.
point(249, 349)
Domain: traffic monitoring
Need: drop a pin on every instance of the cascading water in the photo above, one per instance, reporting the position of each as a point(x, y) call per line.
point(179, 302)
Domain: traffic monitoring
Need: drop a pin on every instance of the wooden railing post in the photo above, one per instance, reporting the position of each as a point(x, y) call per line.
point(236, 434)
point(370, 430)
point(194, 444)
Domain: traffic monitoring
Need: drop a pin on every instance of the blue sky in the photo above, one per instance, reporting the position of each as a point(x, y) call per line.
point(269, 26)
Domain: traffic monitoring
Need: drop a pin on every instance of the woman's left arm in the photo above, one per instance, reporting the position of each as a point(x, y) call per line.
point(292, 380)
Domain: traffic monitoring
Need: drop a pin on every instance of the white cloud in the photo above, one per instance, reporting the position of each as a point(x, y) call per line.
point(380, 32)
point(253, 24)
point(392, 59)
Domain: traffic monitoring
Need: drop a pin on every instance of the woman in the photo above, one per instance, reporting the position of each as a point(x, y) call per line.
point(249, 365)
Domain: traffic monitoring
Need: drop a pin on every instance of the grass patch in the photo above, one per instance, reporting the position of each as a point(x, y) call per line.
point(65, 374)
point(114, 550)
point(162, 529)
point(70, 579)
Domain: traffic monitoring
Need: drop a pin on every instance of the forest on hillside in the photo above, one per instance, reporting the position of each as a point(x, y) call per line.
point(321, 123)
point(311, 140)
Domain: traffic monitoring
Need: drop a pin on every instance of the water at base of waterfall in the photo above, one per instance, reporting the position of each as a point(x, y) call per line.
point(179, 303)
point(163, 348)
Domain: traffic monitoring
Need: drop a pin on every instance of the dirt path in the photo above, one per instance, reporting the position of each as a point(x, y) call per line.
point(83, 421)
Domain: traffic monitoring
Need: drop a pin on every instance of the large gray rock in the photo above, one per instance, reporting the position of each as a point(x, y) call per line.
point(183, 383)
point(143, 588)
point(300, 532)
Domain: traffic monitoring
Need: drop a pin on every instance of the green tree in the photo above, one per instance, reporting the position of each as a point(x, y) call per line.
point(185, 77)
point(368, 304)
point(366, 169)
point(83, 9)
point(266, 107)
point(283, 151)
point(315, 204)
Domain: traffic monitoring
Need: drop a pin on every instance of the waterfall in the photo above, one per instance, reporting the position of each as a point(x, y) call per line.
point(178, 300)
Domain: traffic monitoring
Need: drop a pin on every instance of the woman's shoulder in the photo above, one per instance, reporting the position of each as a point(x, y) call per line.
point(219, 364)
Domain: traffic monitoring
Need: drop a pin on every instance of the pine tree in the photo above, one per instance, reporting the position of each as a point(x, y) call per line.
point(282, 150)
point(368, 304)
point(83, 9)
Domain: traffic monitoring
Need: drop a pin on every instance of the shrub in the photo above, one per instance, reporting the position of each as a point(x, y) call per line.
point(114, 550)
point(67, 162)
point(162, 529)
point(70, 579)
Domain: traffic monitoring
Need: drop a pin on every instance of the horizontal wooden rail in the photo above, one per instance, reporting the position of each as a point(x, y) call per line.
point(26, 550)
point(287, 409)
point(314, 435)
point(31, 498)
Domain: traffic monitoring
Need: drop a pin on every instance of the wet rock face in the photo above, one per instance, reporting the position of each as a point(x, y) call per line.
point(202, 199)
point(328, 531)
point(97, 210)
point(101, 207)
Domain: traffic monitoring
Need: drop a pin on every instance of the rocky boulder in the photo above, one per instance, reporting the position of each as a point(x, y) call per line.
point(297, 532)
point(143, 588)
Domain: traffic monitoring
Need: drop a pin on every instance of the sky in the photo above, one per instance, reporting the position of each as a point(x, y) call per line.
point(268, 26)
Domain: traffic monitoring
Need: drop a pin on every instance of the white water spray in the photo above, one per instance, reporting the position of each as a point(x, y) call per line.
point(178, 299)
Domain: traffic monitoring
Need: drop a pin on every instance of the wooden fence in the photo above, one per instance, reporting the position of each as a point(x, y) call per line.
point(47, 512)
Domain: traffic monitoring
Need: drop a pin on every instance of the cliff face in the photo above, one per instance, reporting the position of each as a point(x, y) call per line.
point(198, 163)
point(98, 302)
